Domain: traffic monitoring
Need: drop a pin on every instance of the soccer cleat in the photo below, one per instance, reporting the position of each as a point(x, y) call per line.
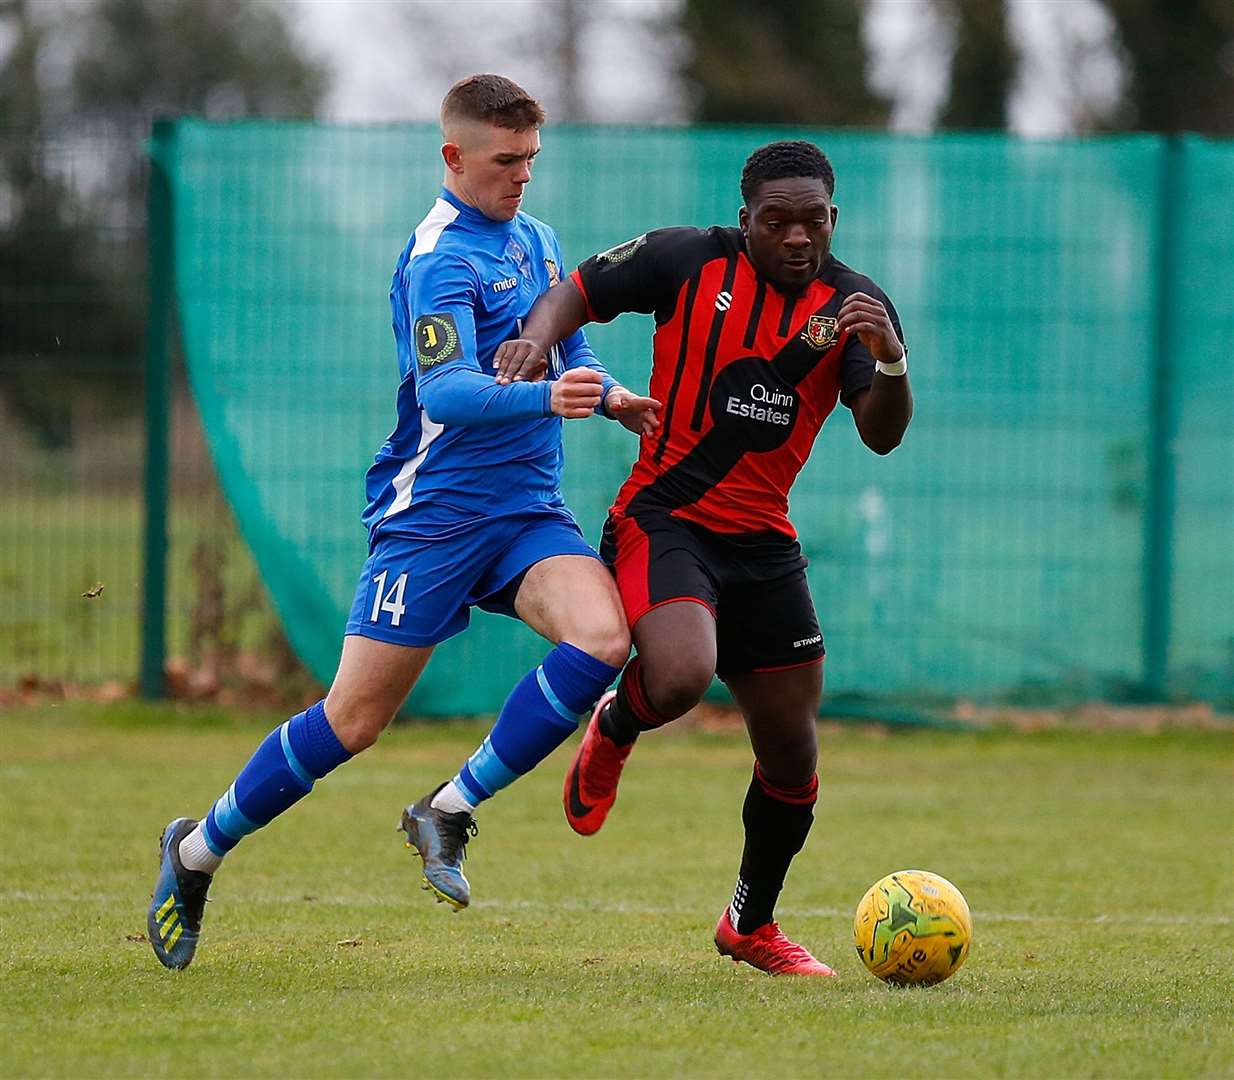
point(591, 781)
point(173, 922)
point(441, 840)
point(767, 949)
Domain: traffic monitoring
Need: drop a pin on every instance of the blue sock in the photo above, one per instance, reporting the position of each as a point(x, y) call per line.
point(538, 716)
point(280, 773)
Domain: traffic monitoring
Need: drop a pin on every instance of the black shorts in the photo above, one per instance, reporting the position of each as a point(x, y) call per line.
point(754, 585)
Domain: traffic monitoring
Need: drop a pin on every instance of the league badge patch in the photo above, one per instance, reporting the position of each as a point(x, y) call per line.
point(821, 331)
point(436, 340)
point(554, 276)
point(621, 252)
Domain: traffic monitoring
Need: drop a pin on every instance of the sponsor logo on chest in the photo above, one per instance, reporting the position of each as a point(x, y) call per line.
point(753, 406)
point(765, 404)
point(505, 284)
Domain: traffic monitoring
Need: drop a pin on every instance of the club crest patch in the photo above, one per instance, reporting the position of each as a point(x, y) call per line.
point(554, 275)
point(622, 252)
point(436, 340)
point(821, 331)
point(514, 250)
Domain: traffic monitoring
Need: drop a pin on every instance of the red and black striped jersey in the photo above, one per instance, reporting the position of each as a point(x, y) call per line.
point(747, 373)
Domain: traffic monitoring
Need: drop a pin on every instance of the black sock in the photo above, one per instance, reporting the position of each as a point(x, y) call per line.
point(617, 723)
point(776, 828)
point(629, 714)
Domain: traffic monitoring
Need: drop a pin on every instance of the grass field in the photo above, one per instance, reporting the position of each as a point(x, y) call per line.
point(1099, 868)
point(54, 548)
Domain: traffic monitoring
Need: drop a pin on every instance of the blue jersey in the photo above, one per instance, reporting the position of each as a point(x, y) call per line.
point(466, 448)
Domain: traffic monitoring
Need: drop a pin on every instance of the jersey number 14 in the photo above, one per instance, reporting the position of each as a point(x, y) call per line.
point(391, 601)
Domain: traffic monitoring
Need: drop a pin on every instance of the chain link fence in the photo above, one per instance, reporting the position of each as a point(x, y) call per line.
point(1058, 526)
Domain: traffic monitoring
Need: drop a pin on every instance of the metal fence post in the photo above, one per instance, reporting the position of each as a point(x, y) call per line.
point(1159, 502)
point(158, 384)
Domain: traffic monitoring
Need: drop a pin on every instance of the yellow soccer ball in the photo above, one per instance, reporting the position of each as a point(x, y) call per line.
point(912, 928)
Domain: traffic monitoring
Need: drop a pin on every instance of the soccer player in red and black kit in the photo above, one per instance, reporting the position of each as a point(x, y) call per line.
point(759, 330)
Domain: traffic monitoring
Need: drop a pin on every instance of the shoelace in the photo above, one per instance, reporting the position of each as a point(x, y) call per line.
point(194, 904)
point(455, 842)
point(777, 949)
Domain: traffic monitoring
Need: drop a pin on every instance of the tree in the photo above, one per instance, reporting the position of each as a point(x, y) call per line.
point(552, 48)
point(780, 62)
point(211, 58)
point(48, 256)
point(1179, 55)
point(21, 116)
point(71, 290)
point(983, 64)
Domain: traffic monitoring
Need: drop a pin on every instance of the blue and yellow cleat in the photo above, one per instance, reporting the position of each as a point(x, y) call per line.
point(441, 840)
point(173, 922)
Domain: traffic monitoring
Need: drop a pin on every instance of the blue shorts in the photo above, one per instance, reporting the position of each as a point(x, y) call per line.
point(420, 591)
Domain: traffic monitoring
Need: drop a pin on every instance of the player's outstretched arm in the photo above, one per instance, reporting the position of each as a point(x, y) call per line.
point(635, 413)
point(882, 411)
point(577, 393)
point(638, 414)
point(556, 315)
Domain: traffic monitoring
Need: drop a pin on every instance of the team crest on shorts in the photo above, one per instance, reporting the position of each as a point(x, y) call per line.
point(554, 276)
point(821, 331)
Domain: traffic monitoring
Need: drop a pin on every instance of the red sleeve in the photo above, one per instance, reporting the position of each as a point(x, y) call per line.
point(577, 278)
point(643, 274)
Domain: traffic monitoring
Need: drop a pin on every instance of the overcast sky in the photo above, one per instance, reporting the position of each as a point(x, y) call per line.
point(393, 59)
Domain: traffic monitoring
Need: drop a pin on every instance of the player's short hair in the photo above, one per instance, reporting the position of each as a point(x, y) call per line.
point(790, 157)
point(491, 99)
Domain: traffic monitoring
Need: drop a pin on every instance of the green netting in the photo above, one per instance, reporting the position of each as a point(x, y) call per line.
point(1201, 652)
point(1001, 551)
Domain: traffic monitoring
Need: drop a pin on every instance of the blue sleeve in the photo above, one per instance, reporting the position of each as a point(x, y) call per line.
point(441, 298)
point(578, 352)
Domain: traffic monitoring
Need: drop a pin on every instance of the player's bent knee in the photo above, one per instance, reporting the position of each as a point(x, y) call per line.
point(677, 699)
point(362, 733)
point(356, 726)
point(608, 642)
point(675, 689)
point(788, 771)
point(358, 734)
point(790, 762)
point(614, 650)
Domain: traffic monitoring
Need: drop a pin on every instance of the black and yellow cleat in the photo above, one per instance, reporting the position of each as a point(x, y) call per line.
point(173, 923)
point(441, 840)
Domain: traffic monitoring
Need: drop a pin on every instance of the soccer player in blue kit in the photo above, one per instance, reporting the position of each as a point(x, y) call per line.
point(465, 509)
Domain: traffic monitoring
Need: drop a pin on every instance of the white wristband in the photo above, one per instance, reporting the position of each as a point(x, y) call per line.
point(896, 367)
